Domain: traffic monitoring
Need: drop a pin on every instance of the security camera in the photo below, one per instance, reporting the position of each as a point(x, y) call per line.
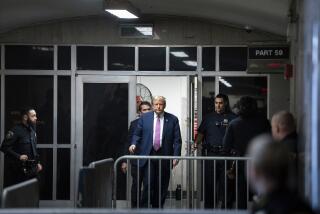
point(248, 29)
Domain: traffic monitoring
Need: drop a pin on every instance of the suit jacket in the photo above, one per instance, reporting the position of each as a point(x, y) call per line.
point(143, 136)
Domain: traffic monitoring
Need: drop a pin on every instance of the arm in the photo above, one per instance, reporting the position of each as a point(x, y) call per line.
point(137, 136)
point(7, 145)
point(177, 142)
point(127, 145)
point(228, 139)
point(200, 136)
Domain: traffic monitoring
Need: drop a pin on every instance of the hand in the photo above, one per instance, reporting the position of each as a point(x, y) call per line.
point(23, 157)
point(195, 146)
point(39, 167)
point(124, 167)
point(175, 162)
point(132, 149)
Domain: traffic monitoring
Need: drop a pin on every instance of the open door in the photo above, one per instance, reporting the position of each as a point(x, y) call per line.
point(104, 107)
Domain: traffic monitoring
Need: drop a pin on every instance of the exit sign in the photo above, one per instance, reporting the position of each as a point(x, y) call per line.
point(269, 52)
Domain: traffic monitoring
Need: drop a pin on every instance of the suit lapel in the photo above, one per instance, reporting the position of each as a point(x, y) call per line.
point(152, 122)
point(165, 124)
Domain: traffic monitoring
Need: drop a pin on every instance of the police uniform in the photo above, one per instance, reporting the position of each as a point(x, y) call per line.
point(213, 127)
point(20, 140)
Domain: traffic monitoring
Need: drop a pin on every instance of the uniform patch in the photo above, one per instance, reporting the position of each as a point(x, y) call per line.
point(9, 135)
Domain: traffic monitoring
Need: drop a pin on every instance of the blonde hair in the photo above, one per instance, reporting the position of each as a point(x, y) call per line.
point(161, 98)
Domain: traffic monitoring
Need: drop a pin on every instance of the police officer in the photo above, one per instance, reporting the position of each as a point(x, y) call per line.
point(210, 134)
point(19, 147)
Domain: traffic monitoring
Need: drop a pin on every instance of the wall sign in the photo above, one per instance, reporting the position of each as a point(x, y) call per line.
point(268, 59)
point(269, 52)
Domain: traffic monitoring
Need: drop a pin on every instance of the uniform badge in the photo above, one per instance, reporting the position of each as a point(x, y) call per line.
point(9, 135)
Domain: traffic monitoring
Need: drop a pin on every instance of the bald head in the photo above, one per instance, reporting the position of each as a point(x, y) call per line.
point(282, 123)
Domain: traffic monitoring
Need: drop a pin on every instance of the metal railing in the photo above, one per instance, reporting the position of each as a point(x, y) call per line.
point(111, 211)
point(226, 176)
point(95, 184)
point(21, 195)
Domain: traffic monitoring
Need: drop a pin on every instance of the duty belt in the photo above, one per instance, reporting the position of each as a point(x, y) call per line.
point(214, 149)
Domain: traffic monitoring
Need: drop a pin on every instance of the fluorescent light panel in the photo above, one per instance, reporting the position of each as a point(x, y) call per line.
point(190, 63)
point(225, 82)
point(122, 14)
point(147, 31)
point(179, 54)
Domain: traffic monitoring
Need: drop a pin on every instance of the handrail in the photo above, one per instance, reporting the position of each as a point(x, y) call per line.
point(100, 162)
point(192, 158)
point(15, 196)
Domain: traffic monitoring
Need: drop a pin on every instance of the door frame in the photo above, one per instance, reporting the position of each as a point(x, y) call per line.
point(78, 139)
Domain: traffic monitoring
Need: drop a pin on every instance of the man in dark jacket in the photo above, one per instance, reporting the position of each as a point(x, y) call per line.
point(239, 133)
point(19, 147)
point(284, 132)
point(268, 172)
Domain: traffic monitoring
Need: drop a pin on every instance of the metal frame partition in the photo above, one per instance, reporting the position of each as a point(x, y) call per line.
point(79, 76)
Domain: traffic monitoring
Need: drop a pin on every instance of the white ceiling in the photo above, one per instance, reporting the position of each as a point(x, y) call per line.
point(267, 15)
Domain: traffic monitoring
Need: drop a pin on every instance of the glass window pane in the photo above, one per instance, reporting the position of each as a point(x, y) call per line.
point(105, 115)
point(183, 58)
point(152, 59)
point(35, 91)
point(46, 174)
point(63, 174)
point(208, 59)
point(29, 57)
point(105, 124)
point(208, 94)
point(233, 58)
point(64, 109)
point(90, 58)
point(64, 58)
point(121, 58)
point(236, 87)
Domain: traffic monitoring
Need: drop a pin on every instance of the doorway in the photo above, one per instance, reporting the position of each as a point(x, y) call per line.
point(104, 106)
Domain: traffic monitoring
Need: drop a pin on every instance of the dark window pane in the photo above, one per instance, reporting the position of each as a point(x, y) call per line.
point(236, 87)
point(90, 58)
point(152, 58)
point(63, 174)
point(183, 59)
point(34, 91)
point(121, 58)
point(64, 58)
point(233, 58)
point(105, 120)
point(208, 59)
point(46, 174)
point(105, 124)
point(64, 109)
point(29, 57)
point(208, 93)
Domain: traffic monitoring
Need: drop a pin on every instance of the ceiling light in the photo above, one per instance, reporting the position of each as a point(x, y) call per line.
point(147, 31)
point(123, 9)
point(225, 82)
point(179, 54)
point(122, 14)
point(190, 63)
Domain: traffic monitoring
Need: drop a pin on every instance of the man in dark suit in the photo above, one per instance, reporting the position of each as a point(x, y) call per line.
point(144, 107)
point(158, 134)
